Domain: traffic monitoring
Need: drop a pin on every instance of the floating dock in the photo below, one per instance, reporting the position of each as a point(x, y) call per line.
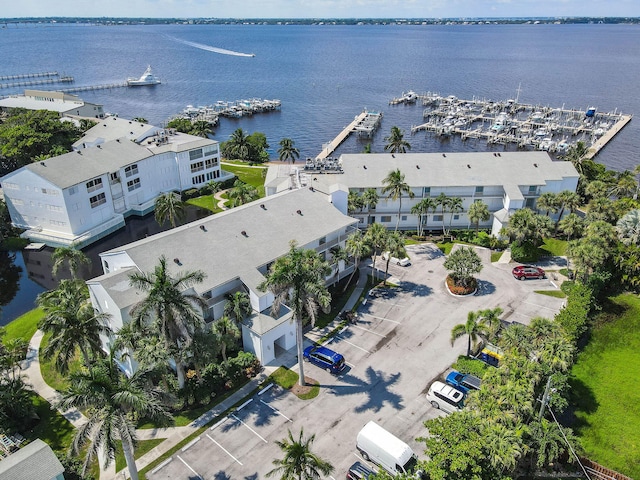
point(364, 124)
point(528, 126)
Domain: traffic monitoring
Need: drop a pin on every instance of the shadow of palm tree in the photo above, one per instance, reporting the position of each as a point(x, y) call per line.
point(220, 475)
point(376, 386)
point(416, 289)
point(426, 251)
point(485, 288)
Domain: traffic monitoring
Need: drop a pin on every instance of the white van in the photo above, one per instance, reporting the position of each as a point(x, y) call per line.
point(386, 450)
point(403, 262)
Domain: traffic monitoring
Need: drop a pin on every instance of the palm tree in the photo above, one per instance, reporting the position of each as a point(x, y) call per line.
point(474, 328)
point(169, 206)
point(628, 228)
point(201, 128)
point(624, 186)
point(354, 201)
point(478, 212)
point(548, 202)
point(172, 311)
point(376, 238)
point(238, 146)
point(112, 403)
point(395, 247)
point(238, 306)
point(242, 193)
point(287, 151)
point(396, 142)
point(299, 462)
point(421, 209)
point(572, 226)
point(357, 246)
point(297, 279)
point(72, 257)
point(72, 322)
point(227, 333)
point(575, 154)
point(395, 186)
point(567, 200)
point(455, 206)
point(547, 442)
point(370, 200)
point(491, 317)
point(338, 254)
point(443, 201)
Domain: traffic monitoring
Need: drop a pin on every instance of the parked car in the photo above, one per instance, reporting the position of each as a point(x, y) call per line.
point(324, 358)
point(358, 471)
point(445, 397)
point(522, 272)
point(403, 262)
point(463, 382)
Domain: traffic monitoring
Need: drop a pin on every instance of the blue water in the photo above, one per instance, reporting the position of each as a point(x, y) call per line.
point(326, 75)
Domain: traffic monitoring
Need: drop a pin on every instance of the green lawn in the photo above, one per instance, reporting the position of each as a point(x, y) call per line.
point(555, 247)
point(49, 373)
point(24, 326)
point(287, 379)
point(207, 202)
point(142, 447)
point(52, 427)
point(552, 293)
point(250, 175)
point(604, 389)
point(495, 256)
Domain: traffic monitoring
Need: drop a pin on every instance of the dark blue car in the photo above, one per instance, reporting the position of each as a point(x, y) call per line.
point(464, 382)
point(324, 358)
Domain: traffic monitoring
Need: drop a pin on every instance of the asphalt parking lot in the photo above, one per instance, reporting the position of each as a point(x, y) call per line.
point(399, 345)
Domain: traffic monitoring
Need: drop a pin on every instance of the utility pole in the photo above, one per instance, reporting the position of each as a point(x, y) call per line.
point(545, 398)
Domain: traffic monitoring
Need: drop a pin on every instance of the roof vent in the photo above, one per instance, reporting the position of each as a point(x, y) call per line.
point(299, 212)
point(244, 233)
point(468, 166)
point(499, 154)
point(130, 133)
point(262, 206)
point(43, 164)
point(99, 146)
point(203, 228)
point(129, 122)
point(393, 156)
point(118, 140)
point(418, 167)
point(364, 166)
point(177, 261)
point(535, 165)
point(312, 189)
point(444, 154)
point(79, 152)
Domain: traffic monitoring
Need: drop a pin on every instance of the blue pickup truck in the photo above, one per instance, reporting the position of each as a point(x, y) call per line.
point(464, 382)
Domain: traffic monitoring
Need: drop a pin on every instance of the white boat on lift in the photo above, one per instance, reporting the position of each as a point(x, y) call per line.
point(147, 78)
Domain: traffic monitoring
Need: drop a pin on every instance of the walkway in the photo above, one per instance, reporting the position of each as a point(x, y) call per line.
point(221, 201)
point(175, 435)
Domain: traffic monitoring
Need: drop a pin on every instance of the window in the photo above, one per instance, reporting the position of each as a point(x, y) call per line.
point(131, 170)
point(213, 175)
point(98, 200)
point(93, 185)
point(54, 208)
point(403, 218)
point(210, 163)
point(50, 191)
point(479, 190)
point(195, 154)
point(212, 150)
point(322, 240)
point(385, 218)
point(57, 223)
point(426, 192)
point(456, 217)
point(196, 167)
point(12, 186)
point(17, 201)
point(437, 218)
point(197, 179)
point(133, 184)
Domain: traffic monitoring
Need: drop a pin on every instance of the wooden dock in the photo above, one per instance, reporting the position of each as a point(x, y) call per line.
point(330, 147)
point(608, 136)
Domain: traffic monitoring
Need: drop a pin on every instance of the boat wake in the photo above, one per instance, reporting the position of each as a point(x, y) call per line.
point(209, 48)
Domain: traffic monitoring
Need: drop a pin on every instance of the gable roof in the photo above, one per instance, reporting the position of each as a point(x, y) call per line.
point(217, 246)
point(35, 461)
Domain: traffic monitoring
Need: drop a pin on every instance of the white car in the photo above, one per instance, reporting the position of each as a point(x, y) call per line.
point(445, 397)
point(403, 262)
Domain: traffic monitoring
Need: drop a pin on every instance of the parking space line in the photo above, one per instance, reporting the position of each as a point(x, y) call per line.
point(540, 306)
point(386, 302)
point(353, 344)
point(277, 411)
point(265, 389)
point(189, 467)
point(367, 330)
point(244, 404)
point(256, 433)
point(382, 318)
point(223, 449)
point(219, 423)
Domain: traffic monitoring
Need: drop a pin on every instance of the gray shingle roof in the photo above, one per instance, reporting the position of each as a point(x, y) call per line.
point(35, 461)
point(451, 169)
point(224, 253)
point(110, 128)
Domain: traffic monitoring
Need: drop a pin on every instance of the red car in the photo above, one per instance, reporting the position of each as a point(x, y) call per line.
point(522, 272)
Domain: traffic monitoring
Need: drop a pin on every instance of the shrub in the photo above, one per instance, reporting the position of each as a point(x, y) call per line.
point(458, 289)
point(524, 252)
point(191, 193)
point(472, 366)
point(573, 317)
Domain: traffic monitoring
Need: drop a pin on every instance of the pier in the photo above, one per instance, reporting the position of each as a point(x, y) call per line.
point(87, 88)
point(28, 75)
point(41, 81)
point(527, 126)
point(364, 124)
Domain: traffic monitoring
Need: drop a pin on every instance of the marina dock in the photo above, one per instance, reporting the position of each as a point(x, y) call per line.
point(528, 126)
point(28, 75)
point(38, 79)
point(364, 124)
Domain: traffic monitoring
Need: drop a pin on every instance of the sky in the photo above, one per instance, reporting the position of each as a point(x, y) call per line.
point(398, 9)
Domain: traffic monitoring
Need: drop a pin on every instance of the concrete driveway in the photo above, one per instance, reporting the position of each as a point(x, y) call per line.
point(400, 344)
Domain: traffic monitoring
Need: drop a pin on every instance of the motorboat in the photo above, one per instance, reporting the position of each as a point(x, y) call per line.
point(147, 78)
point(409, 97)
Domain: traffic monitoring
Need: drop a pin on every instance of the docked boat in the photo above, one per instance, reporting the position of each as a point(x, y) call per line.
point(147, 78)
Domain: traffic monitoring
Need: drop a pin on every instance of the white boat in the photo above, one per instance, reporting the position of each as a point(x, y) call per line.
point(409, 97)
point(147, 78)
